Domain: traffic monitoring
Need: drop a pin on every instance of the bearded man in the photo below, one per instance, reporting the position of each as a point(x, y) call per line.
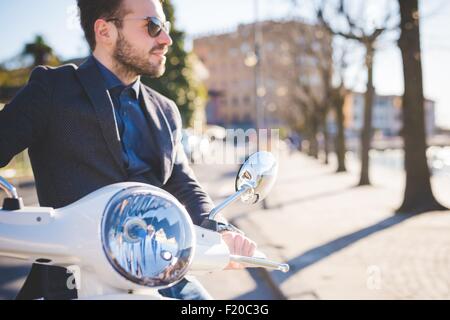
point(96, 125)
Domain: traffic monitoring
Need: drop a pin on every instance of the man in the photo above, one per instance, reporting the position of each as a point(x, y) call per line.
point(96, 125)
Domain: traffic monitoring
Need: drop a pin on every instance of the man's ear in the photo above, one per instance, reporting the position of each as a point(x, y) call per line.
point(105, 32)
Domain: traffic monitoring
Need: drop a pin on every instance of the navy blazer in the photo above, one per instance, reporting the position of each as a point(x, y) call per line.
point(64, 116)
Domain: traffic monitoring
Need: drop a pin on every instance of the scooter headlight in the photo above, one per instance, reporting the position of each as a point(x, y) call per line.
point(148, 236)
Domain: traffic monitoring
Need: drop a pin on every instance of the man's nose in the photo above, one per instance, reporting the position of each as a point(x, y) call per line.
point(164, 38)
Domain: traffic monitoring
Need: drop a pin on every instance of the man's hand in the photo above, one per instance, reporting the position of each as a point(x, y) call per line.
point(239, 245)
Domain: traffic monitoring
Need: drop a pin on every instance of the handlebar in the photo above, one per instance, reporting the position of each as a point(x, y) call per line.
point(260, 262)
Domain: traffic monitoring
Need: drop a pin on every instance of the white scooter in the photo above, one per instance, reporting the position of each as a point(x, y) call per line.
point(127, 240)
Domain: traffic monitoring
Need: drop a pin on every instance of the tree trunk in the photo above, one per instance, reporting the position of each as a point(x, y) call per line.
point(326, 138)
point(313, 150)
point(366, 134)
point(418, 195)
point(40, 58)
point(340, 138)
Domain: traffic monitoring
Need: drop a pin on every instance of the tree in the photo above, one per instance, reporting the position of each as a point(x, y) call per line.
point(418, 195)
point(338, 94)
point(179, 83)
point(311, 67)
point(357, 30)
point(39, 50)
point(318, 49)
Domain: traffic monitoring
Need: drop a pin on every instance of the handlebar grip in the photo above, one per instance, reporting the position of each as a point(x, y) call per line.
point(260, 262)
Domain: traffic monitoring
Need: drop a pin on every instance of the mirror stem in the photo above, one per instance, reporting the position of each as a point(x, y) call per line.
point(12, 201)
point(8, 188)
point(228, 201)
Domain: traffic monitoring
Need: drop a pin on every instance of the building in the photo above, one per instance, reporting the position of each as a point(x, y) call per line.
point(387, 118)
point(230, 59)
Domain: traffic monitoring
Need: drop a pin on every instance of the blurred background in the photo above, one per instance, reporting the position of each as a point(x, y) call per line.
point(356, 95)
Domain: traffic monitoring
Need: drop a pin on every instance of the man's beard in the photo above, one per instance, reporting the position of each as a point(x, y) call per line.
point(128, 62)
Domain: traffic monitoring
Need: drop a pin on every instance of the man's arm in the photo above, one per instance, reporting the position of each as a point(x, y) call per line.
point(24, 120)
point(185, 187)
point(182, 183)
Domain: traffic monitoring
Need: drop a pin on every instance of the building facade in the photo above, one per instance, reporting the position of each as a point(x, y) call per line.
point(387, 118)
point(230, 59)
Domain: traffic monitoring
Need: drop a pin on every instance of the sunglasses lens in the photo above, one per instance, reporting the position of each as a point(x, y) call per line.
point(154, 29)
point(155, 26)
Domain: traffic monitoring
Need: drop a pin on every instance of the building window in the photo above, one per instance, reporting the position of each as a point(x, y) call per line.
point(223, 102)
point(233, 52)
point(245, 48)
point(269, 46)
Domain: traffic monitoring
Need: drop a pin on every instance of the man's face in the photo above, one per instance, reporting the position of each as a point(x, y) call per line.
point(135, 50)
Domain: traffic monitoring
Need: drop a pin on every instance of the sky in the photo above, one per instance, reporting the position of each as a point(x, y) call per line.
point(21, 20)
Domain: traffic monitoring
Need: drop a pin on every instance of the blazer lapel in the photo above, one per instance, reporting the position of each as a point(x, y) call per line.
point(93, 84)
point(163, 134)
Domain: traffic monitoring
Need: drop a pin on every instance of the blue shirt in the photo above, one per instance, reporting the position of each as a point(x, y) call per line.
point(138, 147)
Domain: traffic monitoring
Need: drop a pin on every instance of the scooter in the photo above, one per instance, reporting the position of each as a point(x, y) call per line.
point(128, 240)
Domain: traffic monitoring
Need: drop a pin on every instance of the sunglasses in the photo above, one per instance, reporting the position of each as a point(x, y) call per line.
point(154, 26)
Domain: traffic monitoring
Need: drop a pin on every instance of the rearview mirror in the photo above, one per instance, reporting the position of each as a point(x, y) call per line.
point(254, 181)
point(258, 172)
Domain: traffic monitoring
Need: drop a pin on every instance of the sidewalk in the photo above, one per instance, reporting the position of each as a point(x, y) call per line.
point(344, 242)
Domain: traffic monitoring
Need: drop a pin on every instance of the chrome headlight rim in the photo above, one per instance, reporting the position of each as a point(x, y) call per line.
point(145, 190)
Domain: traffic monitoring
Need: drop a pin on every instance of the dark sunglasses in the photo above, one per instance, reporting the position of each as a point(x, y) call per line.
point(154, 27)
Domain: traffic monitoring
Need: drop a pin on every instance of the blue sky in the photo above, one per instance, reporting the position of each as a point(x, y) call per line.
point(21, 20)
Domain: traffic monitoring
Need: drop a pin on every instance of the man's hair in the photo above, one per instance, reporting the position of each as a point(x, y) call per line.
point(92, 10)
